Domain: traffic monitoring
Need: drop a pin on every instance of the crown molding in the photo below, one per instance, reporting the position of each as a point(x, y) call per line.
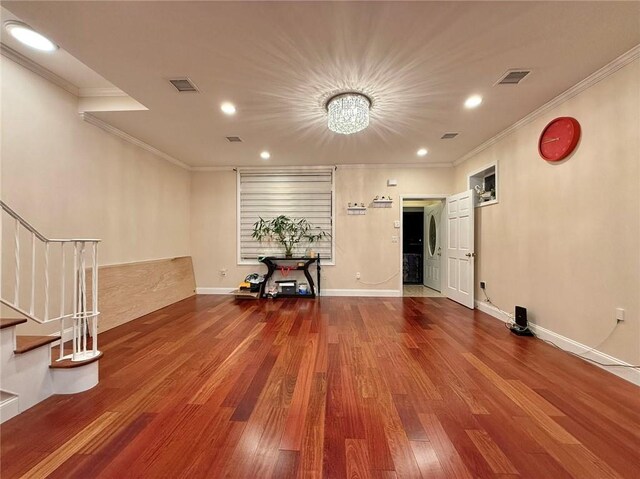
point(29, 64)
point(212, 168)
point(97, 91)
point(131, 139)
point(356, 166)
point(591, 80)
point(204, 169)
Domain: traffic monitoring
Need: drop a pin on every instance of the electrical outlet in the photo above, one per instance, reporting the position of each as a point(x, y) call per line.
point(619, 314)
point(394, 239)
point(357, 275)
point(483, 285)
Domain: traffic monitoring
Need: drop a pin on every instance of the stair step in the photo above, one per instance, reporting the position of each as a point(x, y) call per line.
point(6, 396)
point(8, 322)
point(67, 363)
point(9, 405)
point(28, 343)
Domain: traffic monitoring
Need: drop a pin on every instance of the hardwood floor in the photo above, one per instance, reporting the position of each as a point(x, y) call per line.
point(336, 387)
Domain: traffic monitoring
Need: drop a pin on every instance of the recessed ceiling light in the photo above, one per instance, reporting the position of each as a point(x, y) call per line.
point(265, 155)
point(28, 36)
point(422, 152)
point(228, 108)
point(473, 101)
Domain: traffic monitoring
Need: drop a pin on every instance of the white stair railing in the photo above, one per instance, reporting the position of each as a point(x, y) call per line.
point(84, 320)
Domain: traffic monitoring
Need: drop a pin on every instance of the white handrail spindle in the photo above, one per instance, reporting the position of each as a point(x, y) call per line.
point(16, 300)
point(83, 320)
point(75, 300)
point(94, 300)
point(33, 274)
point(46, 282)
point(63, 265)
point(61, 339)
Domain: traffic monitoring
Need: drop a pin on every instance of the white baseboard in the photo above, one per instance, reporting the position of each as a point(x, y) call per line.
point(492, 311)
point(215, 290)
point(362, 292)
point(323, 292)
point(9, 408)
point(629, 374)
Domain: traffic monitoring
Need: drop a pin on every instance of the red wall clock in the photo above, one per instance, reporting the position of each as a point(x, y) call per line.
point(559, 138)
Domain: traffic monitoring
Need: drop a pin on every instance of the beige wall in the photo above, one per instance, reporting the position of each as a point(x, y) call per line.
point(69, 178)
point(564, 240)
point(363, 243)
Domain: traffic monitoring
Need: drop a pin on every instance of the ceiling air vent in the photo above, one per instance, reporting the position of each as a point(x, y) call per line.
point(448, 136)
point(513, 77)
point(234, 139)
point(183, 85)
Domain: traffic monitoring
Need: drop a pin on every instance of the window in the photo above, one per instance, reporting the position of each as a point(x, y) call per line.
point(297, 193)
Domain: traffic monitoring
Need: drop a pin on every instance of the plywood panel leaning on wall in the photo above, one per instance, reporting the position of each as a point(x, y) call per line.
point(128, 291)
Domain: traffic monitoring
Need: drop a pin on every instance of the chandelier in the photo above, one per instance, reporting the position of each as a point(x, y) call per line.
point(348, 112)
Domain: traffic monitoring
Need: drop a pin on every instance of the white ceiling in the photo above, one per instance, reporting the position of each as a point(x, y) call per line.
point(60, 63)
point(278, 62)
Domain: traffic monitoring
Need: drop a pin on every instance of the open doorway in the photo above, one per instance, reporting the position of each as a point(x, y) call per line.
point(422, 239)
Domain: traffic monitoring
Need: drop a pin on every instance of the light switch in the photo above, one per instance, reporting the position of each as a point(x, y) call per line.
point(396, 224)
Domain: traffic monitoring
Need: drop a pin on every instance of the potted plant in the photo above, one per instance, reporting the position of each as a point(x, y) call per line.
point(286, 231)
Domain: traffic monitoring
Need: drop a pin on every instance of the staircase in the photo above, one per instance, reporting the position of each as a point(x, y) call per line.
point(49, 275)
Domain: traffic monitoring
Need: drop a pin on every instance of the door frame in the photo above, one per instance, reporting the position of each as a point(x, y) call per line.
point(443, 233)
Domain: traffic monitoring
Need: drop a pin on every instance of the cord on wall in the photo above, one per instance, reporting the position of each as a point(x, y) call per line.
point(511, 323)
point(511, 316)
point(381, 282)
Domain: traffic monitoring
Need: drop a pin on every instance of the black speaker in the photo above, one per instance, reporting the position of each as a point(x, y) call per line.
point(521, 317)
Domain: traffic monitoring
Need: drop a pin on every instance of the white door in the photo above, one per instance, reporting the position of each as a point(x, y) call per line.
point(432, 246)
point(460, 255)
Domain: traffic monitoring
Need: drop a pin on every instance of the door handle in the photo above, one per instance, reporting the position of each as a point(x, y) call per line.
point(469, 255)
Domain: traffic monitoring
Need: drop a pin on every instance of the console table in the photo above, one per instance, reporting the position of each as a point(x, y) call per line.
point(274, 263)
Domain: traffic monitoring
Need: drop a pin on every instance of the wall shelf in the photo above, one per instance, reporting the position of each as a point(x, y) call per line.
point(486, 203)
point(357, 210)
point(382, 203)
point(485, 179)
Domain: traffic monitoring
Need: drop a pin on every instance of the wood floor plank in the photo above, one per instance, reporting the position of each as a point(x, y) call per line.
point(575, 458)
point(294, 428)
point(357, 459)
point(528, 404)
point(70, 447)
point(445, 450)
point(427, 460)
point(496, 459)
point(311, 454)
point(330, 388)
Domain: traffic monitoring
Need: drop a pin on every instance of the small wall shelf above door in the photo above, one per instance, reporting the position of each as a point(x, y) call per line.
point(484, 182)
